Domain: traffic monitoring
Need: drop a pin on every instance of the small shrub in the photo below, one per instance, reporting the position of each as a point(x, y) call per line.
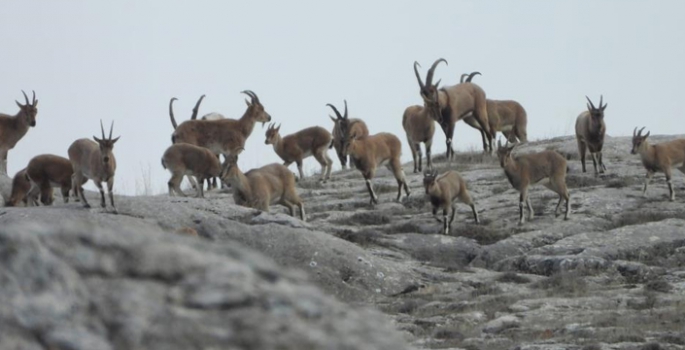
point(621, 182)
point(673, 339)
point(592, 347)
point(448, 333)
point(483, 289)
point(651, 346)
point(563, 283)
point(582, 181)
point(512, 277)
point(365, 218)
point(408, 307)
point(659, 285)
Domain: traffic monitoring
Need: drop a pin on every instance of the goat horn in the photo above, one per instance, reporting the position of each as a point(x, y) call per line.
point(25, 97)
point(591, 105)
point(635, 132)
point(102, 128)
point(461, 80)
point(473, 74)
point(418, 76)
point(345, 116)
point(197, 108)
point(639, 133)
point(601, 97)
point(34, 97)
point(431, 71)
point(335, 110)
point(111, 128)
point(252, 95)
point(171, 112)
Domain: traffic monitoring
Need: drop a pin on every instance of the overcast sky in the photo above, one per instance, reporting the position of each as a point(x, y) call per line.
point(124, 60)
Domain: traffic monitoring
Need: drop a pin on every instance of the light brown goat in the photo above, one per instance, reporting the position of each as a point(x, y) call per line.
point(47, 171)
point(313, 141)
point(505, 116)
point(13, 128)
point(590, 130)
point(546, 167)
point(442, 191)
point(262, 187)
point(420, 127)
point(183, 159)
point(345, 128)
point(22, 191)
point(221, 136)
point(659, 158)
point(450, 104)
point(94, 161)
point(368, 153)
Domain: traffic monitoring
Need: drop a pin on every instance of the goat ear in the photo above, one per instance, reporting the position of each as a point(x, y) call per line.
point(97, 139)
point(646, 135)
point(333, 119)
point(19, 104)
point(604, 107)
point(115, 140)
point(247, 103)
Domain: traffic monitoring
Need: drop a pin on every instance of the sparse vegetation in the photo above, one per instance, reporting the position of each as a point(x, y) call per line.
point(363, 238)
point(513, 277)
point(563, 283)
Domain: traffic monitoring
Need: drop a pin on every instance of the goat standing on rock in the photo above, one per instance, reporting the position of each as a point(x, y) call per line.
point(546, 167)
point(345, 128)
point(313, 141)
point(442, 191)
point(13, 128)
point(661, 157)
point(95, 161)
point(367, 153)
point(448, 105)
point(590, 130)
point(184, 159)
point(420, 127)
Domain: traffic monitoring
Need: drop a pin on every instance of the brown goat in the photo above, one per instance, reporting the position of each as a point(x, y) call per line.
point(47, 171)
point(450, 104)
point(420, 127)
point(221, 136)
point(546, 167)
point(345, 128)
point(367, 153)
point(22, 191)
point(505, 116)
point(661, 157)
point(262, 187)
point(13, 128)
point(94, 161)
point(313, 141)
point(590, 130)
point(442, 191)
point(183, 159)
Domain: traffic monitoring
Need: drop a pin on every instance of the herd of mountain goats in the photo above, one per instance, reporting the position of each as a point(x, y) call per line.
point(197, 145)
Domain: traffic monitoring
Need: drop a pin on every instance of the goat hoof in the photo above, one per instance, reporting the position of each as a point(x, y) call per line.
point(87, 206)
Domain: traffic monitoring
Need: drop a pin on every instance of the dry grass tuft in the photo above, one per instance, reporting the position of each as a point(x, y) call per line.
point(512, 277)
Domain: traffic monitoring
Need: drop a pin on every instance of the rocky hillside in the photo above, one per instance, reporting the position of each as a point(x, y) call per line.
point(609, 278)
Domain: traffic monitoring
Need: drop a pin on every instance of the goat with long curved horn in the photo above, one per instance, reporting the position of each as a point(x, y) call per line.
point(473, 74)
point(171, 112)
point(450, 104)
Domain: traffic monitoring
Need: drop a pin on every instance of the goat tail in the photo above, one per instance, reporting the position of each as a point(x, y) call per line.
point(330, 144)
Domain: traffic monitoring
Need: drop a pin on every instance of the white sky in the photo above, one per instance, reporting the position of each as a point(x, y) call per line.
point(124, 60)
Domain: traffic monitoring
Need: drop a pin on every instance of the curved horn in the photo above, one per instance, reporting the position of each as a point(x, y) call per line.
point(591, 105)
point(25, 97)
point(468, 80)
point(635, 132)
point(252, 95)
point(111, 128)
point(335, 110)
point(102, 129)
point(418, 76)
point(197, 108)
point(429, 76)
point(171, 112)
point(34, 97)
point(461, 80)
point(345, 116)
point(639, 133)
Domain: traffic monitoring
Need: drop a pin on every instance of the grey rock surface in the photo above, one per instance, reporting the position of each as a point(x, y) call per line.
point(611, 277)
point(75, 286)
